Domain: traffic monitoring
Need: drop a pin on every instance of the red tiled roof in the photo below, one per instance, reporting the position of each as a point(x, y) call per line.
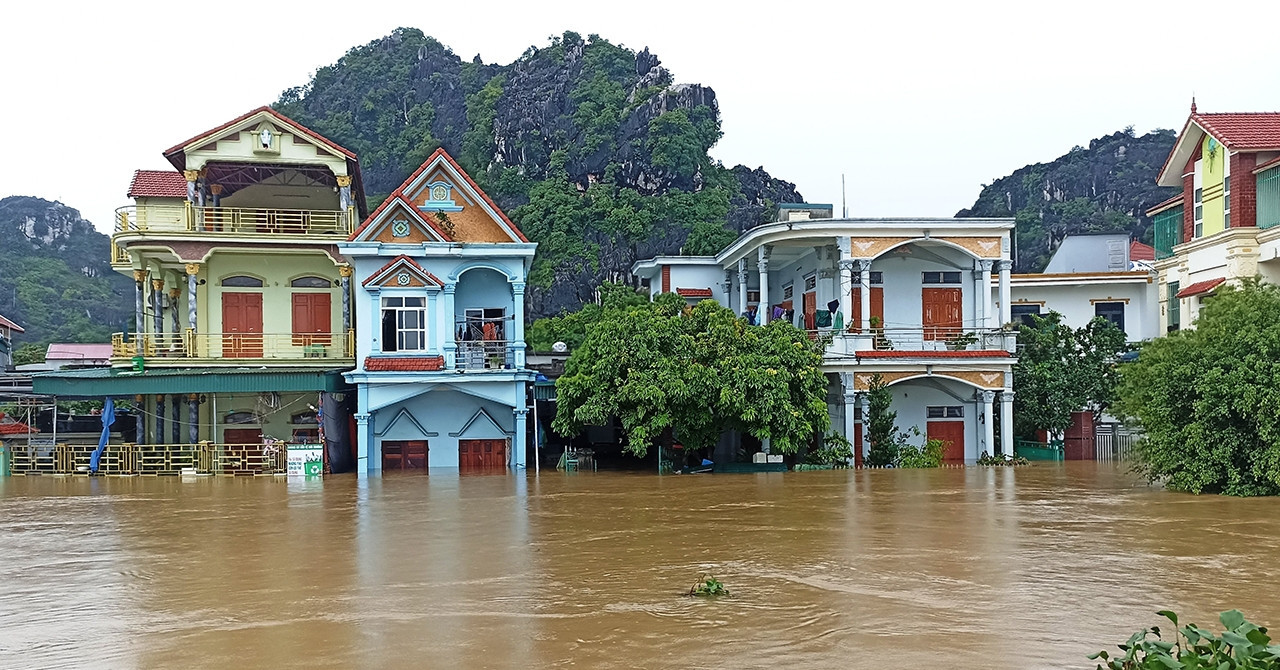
point(1201, 287)
point(10, 426)
point(1141, 252)
point(1251, 130)
point(157, 184)
point(694, 292)
point(10, 325)
point(964, 353)
point(403, 364)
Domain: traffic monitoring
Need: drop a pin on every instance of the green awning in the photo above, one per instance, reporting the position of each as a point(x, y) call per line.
point(101, 382)
point(544, 390)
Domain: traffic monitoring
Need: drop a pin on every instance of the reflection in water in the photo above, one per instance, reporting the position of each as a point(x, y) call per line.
point(958, 568)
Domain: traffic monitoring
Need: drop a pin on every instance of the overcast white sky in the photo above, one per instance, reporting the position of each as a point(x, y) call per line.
point(917, 104)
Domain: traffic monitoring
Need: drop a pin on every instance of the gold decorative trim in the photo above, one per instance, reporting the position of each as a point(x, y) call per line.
point(1093, 301)
point(982, 247)
point(139, 275)
point(991, 381)
point(344, 180)
point(870, 247)
point(193, 268)
point(345, 270)
point(191, 175)
point(157, 284)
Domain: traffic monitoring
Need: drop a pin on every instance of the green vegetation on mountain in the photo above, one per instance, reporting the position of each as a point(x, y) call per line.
point(1106, 188)
point(589, 146)
point(56, 279)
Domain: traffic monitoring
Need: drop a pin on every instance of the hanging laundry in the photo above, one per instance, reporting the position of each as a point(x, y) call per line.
point(837, 322)
point(822, 319)
point(777, 312)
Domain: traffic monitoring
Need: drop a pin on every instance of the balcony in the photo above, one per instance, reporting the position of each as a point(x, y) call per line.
point(935, 339)
point(224, 222)
point(190, 346)
point(486, 355)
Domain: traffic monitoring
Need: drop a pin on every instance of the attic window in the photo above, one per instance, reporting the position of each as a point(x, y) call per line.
point(242, 281)
point(440, 198)
point(266, 139)
point(311, 282)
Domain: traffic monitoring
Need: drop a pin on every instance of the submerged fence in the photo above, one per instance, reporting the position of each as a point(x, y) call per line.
point(148, 459)
point(1114, 442)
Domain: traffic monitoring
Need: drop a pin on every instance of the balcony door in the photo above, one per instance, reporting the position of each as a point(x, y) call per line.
point(311, 318)
point(877, 308)
point(242, 325)
point(943, 315)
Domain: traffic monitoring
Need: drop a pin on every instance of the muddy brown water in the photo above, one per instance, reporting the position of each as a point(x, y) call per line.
point(957, 568)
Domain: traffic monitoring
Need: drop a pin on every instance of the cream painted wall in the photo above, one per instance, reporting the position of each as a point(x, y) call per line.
point(276, 270)
point(693, 276)
point(277, 196)
point(911, 399)
point(295, 150)
point(1142, 320)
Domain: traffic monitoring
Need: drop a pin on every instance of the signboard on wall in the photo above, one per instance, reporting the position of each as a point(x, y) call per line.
point(304, 460)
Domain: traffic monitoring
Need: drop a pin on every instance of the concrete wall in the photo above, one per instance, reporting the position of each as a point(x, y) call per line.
point(276, 270)
point(912, 398)
point(436, 416)
point(693, 276)
point(1141, 313)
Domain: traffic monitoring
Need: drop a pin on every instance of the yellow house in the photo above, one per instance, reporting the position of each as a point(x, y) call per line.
point(242, 315)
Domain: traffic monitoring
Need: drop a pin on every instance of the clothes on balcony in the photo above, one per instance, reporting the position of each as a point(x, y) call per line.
point(750, 316)
point(777, 312)
point(837, 321)
point(822, 319)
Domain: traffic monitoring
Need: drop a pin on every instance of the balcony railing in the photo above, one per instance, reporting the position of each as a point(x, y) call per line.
point(150, 459)
point(234, 346)
point(485, 355)
point(231, 220)
point(925, 339)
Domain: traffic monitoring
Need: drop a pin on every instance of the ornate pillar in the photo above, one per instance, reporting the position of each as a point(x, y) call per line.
point(193, 269)
point(517, 324)
point(1006, 299)
point(176, 405)
point(157, 305)
point(988, 419)
point(845, 289)
point(344, 273)
point(762, 266)
point(140, 419)
point(173, 308)
point(862, 270)
point(850, 408)
point(216, 191)
point(727, 286)
point(983, 303)
point(1006, 423)
point(160, 418)
point(193, 416)
point(450, 324)
point(742, 287)
point(520, 441)
point(864, 400)
point(363, 445)
point(344, 200)
point(139, 321)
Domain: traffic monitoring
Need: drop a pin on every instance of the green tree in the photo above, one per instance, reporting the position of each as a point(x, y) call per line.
point(1209, 398)
point(667, 371)
point(882, 429)
point(28, 353)
point(571, 328)
point(1061, 370)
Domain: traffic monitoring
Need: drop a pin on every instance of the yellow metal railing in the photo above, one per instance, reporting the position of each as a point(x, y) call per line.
point(150, 459)
point(234, 220)
point(190, 344)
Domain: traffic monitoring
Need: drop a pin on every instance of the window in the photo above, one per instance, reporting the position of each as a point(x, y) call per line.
point(1022, 314)
point(787, 292)
point(404, 324)
point(310, 282)
point(1199, 229)
point(1226, 192)
point(941, 278)
point(242, 281)
point(951, 412)
point(753, 296)
point(1174, 307)
point(484, 324)
point(810, 282)
point(1111, 311)
point(877, 277)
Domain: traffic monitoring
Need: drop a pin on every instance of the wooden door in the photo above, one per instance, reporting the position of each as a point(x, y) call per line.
point(810, 310)
point(404, 455)
point(943, 313)
point(244, 454)
point(952, 435)
point(857, 444)
point(482, 455)
point(311, 320)
point(877, 307)
point(241, 325)
point(1080, 439)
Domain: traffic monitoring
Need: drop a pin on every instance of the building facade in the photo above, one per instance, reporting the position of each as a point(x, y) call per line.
point(440, 353)
point(1225, 224)
point(242, 316)
point(905, 299)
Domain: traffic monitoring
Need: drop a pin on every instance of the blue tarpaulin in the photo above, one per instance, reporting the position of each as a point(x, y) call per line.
point(108, 418)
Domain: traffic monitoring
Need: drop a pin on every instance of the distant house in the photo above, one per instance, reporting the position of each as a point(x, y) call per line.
point(7, 329)
point(77, 355)
point(1225, 225)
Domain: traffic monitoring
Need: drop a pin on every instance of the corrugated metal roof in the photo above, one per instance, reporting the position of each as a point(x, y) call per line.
point(101, 382)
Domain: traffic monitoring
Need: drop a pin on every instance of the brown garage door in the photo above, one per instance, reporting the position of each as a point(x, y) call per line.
point(407, 455)
point(482, 455)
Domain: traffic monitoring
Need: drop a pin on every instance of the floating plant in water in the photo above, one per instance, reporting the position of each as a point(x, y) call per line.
point(708, 586)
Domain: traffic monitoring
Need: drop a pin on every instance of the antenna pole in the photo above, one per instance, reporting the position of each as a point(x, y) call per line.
point(844, 205)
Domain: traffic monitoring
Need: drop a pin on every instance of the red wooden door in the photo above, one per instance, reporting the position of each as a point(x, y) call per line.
point(942, 315)
point(1080, 439)
point(311, 319)
point(809, 305)
point(877, 307)
point(241, 325)
point(952, 435)
point(857, 444)
point(407, 455)
point(481, 455)
point(245, 454)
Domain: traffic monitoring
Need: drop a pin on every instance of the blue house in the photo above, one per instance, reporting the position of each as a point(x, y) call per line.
point(440, 352)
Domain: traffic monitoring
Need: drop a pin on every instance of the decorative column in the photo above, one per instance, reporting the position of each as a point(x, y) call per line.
point(762, 266)
point(742, 287)
point(520, 441)
point(344, 274)
point(450, 323)
point(140, 419)
point(160, 418)
point(988, 422)
point(191, 176)
point(862, 270)
point(850, 408)
point(139, 320)
point(864, 399)
point(1006, 298)
point(363, 444)
point(517, 325)
point(193, 414)
point(216, 191)
point(177, 424)
point(345, 202)
point(173, 308)
point(727, 286)
point(984, 295)
point(157, 306)
point(1006, 423)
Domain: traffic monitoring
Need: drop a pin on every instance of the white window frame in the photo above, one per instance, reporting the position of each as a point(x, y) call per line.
point(1226, 189)
point(1197, 199)
point(404, 315)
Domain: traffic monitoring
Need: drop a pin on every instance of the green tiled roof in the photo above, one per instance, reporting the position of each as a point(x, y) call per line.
point(100, 382)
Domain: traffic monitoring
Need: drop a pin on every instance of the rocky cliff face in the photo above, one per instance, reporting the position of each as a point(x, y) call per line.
point(1105, 188)
point(593, 149)
point(56, 279)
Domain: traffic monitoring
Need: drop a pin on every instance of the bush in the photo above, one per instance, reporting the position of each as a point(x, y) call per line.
point(836, 451)
point(1242, 646)
point(928, 455)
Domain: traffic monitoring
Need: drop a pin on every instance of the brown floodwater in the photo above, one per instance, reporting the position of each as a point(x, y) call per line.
point(958, 568)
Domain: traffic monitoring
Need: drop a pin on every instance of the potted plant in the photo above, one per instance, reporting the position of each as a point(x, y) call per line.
point(961, 340)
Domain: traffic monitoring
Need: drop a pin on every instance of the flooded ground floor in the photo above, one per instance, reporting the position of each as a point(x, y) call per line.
point(960, 568)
